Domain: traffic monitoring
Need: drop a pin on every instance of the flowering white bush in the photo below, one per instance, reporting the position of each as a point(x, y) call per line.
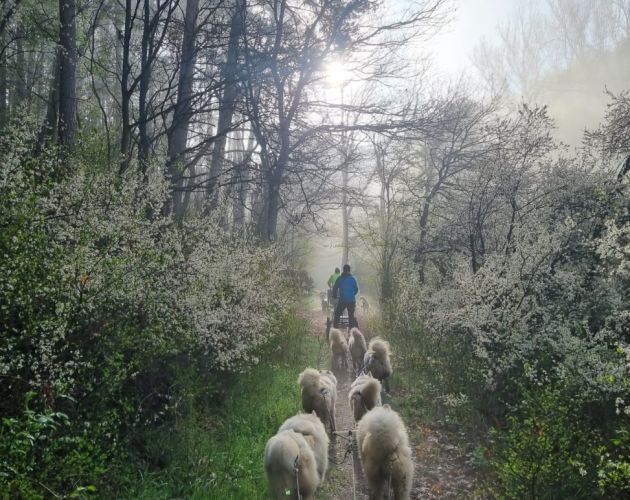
point(231, 294)
point(107, 263)
point(102, 298)
point(542, 334)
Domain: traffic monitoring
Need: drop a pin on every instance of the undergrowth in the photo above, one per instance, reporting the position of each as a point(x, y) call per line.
point(419, 381)
point(216, 452)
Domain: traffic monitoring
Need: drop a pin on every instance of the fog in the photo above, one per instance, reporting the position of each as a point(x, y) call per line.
point(325, 256)
point(563, 54)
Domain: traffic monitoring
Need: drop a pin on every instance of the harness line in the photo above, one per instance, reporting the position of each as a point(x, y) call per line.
point(349, 451)
point(296, 469)
point(354, 479)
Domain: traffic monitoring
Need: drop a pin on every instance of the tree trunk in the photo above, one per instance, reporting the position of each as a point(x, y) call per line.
point(227, 103)
point(272, 209)
point(386, 222)
point(344, 215)
point(3, 87)
point(67, 73)
point(125, 92)
point(20, 84)
point(178, 133)
point(421, 256)
point(48, 129)
point(257, 200)
point(6, 12)
point(238, 209)
point(270, 202)
point(145, 82)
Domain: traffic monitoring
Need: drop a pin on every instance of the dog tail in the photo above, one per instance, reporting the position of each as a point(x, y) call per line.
point(336, 337)
point(380, 348)
point(386, 434)
point(287, 453)
point(371, 392)
point(358, 337)
point(309, 379)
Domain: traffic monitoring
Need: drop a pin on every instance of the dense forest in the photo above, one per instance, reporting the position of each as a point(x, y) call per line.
point(169, 167)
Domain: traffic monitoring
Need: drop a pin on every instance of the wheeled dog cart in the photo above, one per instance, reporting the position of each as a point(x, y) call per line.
point(344, 320)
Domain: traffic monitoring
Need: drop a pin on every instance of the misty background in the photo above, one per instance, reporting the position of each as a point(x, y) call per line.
point(566, 55)
point(179, 178)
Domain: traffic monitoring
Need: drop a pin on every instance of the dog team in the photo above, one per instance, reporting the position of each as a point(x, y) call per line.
point(296, 458)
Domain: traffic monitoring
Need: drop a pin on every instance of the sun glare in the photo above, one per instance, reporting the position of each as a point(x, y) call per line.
point(337, 74)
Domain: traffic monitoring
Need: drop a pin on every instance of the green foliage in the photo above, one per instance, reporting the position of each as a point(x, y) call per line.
point(218, 454)
point(533, 341)
point(30, 447)
point(104, 305)
point(613, 472)
point(429, 368)
point(547, 450)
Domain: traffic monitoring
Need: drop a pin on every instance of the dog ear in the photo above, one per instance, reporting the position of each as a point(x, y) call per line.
point(387, 407)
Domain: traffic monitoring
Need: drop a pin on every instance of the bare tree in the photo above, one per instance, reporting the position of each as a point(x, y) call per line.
point(227, 104)
point(178, 132)
point(67, 72)
point(276, 102)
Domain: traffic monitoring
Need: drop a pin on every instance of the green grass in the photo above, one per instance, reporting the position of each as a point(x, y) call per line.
point(425, 371)
point(218, 455)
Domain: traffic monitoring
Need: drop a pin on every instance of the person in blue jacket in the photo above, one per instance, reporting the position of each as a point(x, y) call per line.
point(346, 289)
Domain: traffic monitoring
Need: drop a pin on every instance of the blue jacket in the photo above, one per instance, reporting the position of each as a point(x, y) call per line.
point(346, 288)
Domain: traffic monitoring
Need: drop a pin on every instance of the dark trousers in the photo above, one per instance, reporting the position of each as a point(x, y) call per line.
point(350, 306)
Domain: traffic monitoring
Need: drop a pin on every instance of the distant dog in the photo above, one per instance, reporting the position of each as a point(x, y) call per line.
point(297, 456)
point(358, 348)
point(364, 395)
point(365, 305)
point(385, 453)
point(324, 302)
point(319, 394)
point(339, 349)
point(377, 361)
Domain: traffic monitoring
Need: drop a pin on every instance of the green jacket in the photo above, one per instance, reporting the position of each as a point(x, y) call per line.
point(333, 279)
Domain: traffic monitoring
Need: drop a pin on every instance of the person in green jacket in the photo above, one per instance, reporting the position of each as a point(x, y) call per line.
point(333, 277)
point(331, 283)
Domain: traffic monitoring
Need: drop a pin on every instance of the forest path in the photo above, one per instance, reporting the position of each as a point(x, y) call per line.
point(441, 468)
point(344, 479)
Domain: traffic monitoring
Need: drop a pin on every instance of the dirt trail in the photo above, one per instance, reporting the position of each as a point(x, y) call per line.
point(343, 454)
point(339, 478)
point(441, 471)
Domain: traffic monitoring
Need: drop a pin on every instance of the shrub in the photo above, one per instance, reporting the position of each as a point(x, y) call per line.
point(102, 299)
point(541, 332)
point(547, 450)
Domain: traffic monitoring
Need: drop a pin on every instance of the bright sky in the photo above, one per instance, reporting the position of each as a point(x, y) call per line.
point(472, 20)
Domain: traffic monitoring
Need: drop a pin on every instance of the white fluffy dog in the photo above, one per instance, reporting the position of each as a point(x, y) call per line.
point(339, 348)
point(319, 394)
point(296, 458)
point(358, 348)
point(311, 427)
point(377, 361)
point(385, 453)
point(364, 395)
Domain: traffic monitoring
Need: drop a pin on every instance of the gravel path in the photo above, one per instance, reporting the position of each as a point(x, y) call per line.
point(339, 478)
point(441, 471)
point(343, 455)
